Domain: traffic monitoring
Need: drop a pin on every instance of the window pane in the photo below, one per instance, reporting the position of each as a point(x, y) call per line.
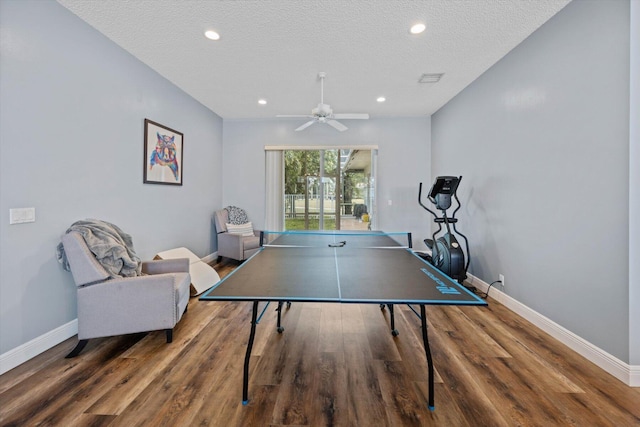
point(328, 189)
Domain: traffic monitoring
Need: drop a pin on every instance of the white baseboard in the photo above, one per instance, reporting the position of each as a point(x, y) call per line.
point(31, 349)
point(634, 376)
point(209, 258)
point(628, 374)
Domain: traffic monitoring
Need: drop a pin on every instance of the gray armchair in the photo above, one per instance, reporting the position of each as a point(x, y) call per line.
point(108, 307)
point(234, 246)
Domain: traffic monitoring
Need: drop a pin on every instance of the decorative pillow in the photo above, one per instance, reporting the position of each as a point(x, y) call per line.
point(237, 215)
point(245, 230)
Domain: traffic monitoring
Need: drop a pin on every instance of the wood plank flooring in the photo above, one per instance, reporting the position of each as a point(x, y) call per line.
point(333, 365)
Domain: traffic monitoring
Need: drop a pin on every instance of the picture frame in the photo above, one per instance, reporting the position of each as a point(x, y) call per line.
point(163, 153)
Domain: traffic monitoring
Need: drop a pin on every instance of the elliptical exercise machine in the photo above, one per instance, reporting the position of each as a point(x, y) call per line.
point(446, 253)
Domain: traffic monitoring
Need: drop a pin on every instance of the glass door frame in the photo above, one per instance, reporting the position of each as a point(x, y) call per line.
point(372, 193)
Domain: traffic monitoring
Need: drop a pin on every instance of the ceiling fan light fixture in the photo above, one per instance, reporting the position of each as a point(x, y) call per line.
point(417, 28)
point(324, 114)
point(212, 35)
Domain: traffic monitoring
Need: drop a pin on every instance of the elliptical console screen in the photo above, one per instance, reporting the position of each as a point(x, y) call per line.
point(444, 185)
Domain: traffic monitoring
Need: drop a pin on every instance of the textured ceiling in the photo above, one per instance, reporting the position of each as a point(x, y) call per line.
point(274, 49)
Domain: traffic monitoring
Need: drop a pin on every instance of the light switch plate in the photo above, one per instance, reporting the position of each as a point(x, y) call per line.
point(22, 215)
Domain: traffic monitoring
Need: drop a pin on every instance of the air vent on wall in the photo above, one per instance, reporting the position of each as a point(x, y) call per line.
point(430, 77)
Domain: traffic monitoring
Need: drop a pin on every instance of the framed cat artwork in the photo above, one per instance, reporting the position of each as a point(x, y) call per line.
point(162, 154)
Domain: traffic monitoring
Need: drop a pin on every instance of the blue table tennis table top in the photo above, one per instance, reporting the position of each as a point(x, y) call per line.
point(369, 267)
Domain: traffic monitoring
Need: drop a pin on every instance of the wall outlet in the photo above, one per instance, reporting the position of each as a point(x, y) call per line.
point(501, 278)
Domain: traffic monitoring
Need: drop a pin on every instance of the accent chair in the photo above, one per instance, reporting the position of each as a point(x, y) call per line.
point(125, 305)
point(236, 242)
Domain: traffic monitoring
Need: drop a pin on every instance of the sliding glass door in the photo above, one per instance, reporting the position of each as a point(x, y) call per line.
point(329, 189)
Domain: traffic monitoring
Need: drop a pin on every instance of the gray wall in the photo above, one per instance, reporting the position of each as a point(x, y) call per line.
point(403, 161)
point(71, 127)
point(542, 140)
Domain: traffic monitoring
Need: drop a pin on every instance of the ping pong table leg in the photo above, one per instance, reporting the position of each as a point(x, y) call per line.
point(394, 331)
point(247, 356)
point(279, 310)
point(427, 350)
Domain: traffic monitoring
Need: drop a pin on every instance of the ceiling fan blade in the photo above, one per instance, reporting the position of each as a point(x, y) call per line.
point(337, 125)
point(324, 114)
point(306, 125)
point(351, 116)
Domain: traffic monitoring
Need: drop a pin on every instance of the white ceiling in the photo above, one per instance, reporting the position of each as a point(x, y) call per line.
point(274, 49)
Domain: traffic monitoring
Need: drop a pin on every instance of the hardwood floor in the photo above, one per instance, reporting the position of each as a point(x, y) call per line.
point(333, 365)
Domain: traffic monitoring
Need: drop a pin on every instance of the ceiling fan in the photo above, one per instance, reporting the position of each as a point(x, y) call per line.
point(324, 114)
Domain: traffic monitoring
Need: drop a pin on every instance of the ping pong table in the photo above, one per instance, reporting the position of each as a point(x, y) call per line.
point(340, 267)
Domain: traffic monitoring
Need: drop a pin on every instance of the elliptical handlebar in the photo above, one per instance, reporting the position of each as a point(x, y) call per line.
point(421, 204)
point(455, 196)
point(434, 250)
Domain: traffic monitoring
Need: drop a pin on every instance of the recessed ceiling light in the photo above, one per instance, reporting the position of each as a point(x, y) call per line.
point(212, 35)
point(417, 28)
point(262, 101)
point(381, 99)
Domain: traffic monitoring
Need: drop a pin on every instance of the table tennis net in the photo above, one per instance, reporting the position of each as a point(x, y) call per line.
point(337, 239)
